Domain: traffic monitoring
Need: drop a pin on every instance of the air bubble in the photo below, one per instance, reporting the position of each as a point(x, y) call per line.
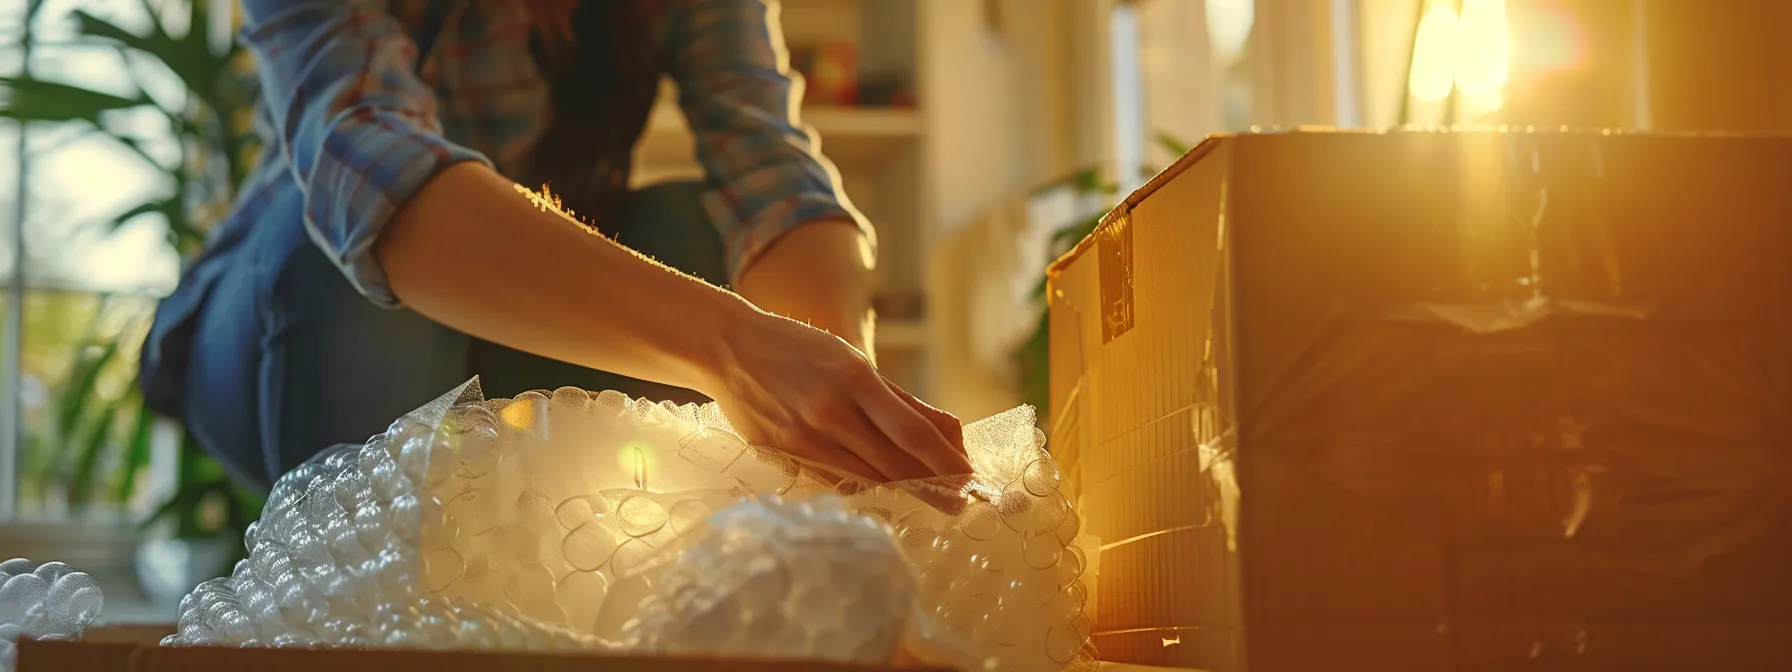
point(688, 515)
point(1013, 505)
point(477, 511)
point(1073, 557)
point(582, 592)
point(576, 512)
point(640, 516)
point(980, 522)
point(1068, 530)
point(1048, 514)
point(1062, 643)
point(530, 585)
point(588, 547)
point(630, 555)
point(1041, 552)
point(1041, 478)
point(536, 510)
point(476, 451)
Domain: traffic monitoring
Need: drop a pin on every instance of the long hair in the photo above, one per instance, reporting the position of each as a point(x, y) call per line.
point(602, 88)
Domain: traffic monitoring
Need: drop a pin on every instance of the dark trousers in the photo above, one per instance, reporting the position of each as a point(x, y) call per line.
point(290, 360)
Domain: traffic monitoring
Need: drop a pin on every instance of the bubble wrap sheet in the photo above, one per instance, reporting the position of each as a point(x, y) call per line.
point(48, 602)
point(580, 521)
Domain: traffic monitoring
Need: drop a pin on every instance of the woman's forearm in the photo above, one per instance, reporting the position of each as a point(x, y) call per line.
point(819, 274)
point(470, 252)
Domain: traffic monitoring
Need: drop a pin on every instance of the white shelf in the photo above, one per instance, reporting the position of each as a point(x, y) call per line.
point(849, 136)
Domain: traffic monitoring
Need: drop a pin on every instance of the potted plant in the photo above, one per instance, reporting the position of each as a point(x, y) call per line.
point(101, 429)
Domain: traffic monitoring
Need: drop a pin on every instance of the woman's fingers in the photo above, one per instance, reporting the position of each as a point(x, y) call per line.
point(912, 433)
point(943, 493)
point(948, 424)
point(847, 462)
point(864, 439)
point(835, 455)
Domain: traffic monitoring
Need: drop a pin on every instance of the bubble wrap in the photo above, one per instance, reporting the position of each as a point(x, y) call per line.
point(580, 521)
point(46, 602)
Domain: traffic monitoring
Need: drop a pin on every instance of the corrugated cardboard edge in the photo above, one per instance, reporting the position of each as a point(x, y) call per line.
point(1125, 207)
point(1207, 145)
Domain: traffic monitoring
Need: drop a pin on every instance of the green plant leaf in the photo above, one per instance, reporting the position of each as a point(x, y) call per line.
point(204, 65)
point(31, 99)
point(165, 207)
point(136, 148)
point(136, 451)
point(72, 406)
point(1033, 358)
point(76, 399)
point(81, 483)
point(1089, 181)
point(182, 234)
point(1172, 144)
point(92, 26)
point(188, 57)
point(175, 510)
point(200, 478)
point(1067, 237)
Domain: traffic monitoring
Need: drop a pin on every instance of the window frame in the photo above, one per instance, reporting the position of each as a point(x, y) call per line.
point(1304, 61)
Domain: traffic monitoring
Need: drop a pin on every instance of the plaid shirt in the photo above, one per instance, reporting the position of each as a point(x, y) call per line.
point(359, 120)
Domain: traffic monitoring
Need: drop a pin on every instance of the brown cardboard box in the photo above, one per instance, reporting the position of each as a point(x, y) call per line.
point(134, 649)
point(1438, 401)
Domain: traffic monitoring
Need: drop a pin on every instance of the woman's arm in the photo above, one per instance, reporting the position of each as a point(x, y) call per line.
point(796, 246)
point(819, 275)
point(473, 253)
point(470, 252)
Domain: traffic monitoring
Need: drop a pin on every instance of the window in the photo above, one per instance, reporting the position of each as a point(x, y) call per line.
point(1518, 62)
point(1129, 97)
point(82, 262)
point(1177, 70)
point(1188, 68)
point(1459, 61)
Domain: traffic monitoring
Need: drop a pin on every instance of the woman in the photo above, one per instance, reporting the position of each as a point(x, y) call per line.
point(377, 256)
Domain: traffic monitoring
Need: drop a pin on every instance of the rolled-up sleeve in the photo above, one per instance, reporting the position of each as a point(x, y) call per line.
point(355, 123)
point(764, 171)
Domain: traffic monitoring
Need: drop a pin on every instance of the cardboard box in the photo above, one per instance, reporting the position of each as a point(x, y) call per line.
point(135, 649)
point(1438, 401)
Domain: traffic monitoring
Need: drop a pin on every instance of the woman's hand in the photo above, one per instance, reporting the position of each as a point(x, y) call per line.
point(798, 389)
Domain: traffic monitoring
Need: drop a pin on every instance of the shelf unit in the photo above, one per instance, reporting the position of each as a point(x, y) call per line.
point(875, 149)
point(850, 136)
